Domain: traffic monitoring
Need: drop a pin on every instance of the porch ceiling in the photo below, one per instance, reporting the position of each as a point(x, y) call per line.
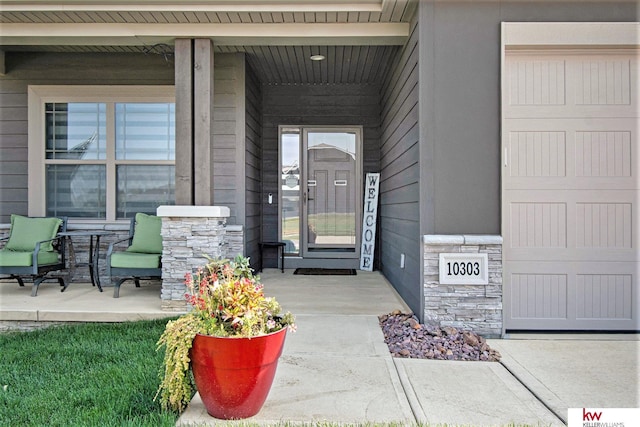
point(357, 38)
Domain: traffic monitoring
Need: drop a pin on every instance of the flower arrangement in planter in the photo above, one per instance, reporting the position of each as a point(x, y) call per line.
point(232, 334)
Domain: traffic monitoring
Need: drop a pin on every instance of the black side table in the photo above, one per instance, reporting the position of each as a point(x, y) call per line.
point(279, 245)
point(94, 253)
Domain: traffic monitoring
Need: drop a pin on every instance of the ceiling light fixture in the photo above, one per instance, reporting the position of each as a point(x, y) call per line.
point(317, 57)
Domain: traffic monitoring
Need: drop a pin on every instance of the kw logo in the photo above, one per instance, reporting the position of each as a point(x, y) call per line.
point(590, 416)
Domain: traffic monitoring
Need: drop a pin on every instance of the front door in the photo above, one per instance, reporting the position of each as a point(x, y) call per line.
point(321, 204)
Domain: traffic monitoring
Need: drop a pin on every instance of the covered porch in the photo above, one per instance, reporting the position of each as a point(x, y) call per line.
point(244, 76)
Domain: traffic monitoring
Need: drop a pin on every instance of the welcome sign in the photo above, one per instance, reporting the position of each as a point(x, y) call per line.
point(369, 221)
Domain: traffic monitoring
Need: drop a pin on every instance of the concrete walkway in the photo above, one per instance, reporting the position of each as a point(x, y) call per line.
point(336, 368)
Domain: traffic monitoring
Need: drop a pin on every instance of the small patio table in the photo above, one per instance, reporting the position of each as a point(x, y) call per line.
point(279, 245)
point(94, 253)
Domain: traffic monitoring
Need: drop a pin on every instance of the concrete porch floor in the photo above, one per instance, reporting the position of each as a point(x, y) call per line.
point(82, 302)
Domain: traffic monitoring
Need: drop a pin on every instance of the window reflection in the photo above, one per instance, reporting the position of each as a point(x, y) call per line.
point(290, 190)
point(331, 162)
point(145, 131)
point(143, 188)
point(76, 130)
point(76, 191)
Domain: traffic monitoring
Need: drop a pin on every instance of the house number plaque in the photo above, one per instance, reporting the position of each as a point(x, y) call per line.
point(464, 269)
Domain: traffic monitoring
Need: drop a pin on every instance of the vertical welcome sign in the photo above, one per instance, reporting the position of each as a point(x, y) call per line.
point(369, 221)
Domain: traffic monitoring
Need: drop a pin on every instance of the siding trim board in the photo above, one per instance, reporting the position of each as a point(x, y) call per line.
point(516, 35)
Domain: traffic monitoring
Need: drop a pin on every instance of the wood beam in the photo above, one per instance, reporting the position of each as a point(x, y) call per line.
point(184, 194)
point(369, 33)
point(203, 121)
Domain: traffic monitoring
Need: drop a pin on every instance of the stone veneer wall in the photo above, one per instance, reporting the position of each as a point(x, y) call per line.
point(474, 307)
point(234, 241)
point(188, 234)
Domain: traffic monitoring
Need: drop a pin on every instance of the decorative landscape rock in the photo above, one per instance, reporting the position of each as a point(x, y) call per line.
point(407, 337)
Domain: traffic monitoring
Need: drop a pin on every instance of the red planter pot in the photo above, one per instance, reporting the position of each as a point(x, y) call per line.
point(234, 375)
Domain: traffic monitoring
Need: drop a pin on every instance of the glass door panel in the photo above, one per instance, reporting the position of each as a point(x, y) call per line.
point(290, 189)
point(329, 193)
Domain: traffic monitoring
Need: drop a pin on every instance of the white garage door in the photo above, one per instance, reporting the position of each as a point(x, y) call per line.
point(571, 189)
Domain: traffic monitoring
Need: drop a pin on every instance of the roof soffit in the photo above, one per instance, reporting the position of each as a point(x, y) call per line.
point(278, 22)
point(358, 37)
point(194, 5)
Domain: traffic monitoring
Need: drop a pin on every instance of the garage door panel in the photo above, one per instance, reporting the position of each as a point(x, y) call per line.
point(575, 295)
point(538, 293)
point(537, 224)
point(604, 153)
point(571, 225)
point(551, 85)
point(570, 189)
point(604, 80)
point(604, 296)
point(604, 225)
point(571, 153)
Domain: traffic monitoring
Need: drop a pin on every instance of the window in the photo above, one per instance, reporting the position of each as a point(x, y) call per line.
point(101, 153)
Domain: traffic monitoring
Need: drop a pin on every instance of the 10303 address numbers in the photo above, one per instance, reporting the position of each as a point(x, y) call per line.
point(463, 268)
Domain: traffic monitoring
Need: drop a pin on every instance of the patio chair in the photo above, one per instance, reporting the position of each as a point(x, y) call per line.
point(33, 249)
point(142, 259)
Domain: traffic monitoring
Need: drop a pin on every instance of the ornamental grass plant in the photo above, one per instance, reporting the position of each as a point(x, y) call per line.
point(226, 300)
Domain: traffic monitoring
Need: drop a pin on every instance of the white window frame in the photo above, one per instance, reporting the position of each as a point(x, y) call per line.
point(39, 95)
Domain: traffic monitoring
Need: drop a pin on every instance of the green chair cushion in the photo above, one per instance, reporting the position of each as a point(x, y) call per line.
point(26, 232)
point(135, 260)
point(147, 235)
point(9, 258)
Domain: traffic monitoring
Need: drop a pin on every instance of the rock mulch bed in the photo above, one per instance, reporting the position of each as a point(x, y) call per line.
point(406, 337)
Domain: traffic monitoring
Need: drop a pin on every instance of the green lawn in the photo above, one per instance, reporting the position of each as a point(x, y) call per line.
point(82, 375)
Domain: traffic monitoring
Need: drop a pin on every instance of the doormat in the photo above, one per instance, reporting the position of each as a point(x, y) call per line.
point(325, 271)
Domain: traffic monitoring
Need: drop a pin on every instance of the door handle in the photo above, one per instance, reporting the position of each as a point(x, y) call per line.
point(305, 197)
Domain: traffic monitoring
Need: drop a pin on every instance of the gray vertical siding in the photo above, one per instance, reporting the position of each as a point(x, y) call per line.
point(400, 194)
point(253, 164)
point(23, 69)
point(313, 105)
